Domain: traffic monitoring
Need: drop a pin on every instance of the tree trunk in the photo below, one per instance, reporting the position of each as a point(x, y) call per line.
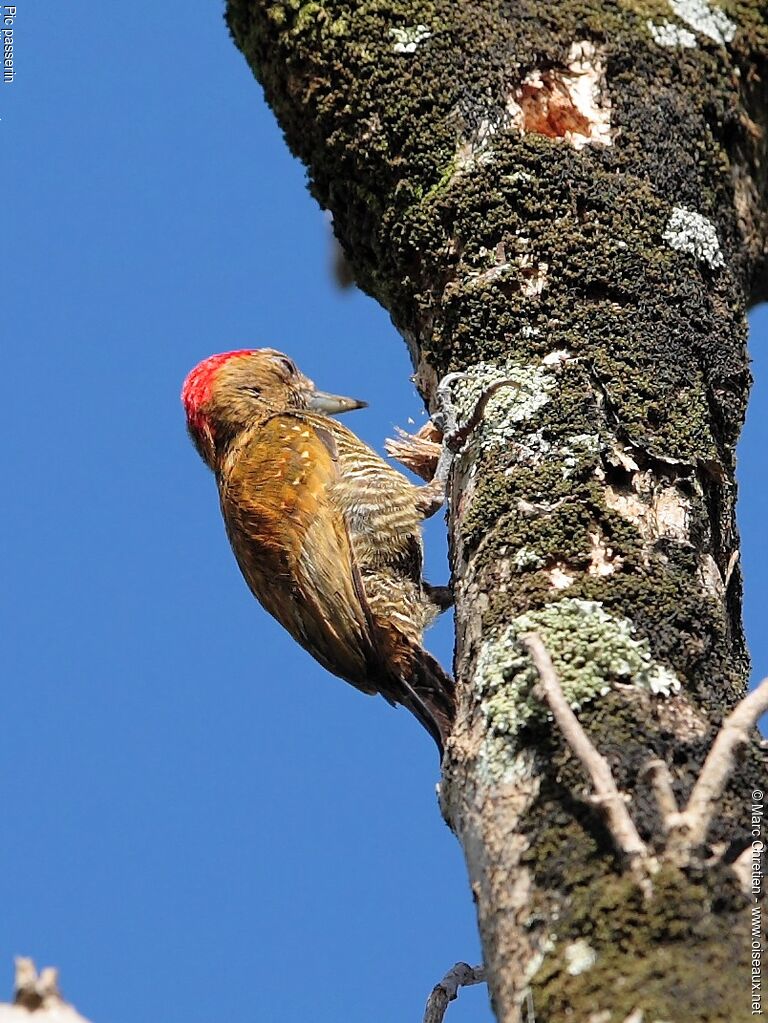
point(570, 196)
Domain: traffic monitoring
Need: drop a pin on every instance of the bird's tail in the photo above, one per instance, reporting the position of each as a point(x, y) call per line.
point(405, 673)
point(425, 689)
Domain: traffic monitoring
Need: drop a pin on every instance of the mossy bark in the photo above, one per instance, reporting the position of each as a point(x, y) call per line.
point(570, 195)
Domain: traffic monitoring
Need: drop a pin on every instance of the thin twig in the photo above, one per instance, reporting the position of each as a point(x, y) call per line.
point(693, 823)
point(461, 975)
point(661, 780)
point(607, 796)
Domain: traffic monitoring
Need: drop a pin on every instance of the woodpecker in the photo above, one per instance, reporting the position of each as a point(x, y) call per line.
point(326, 533)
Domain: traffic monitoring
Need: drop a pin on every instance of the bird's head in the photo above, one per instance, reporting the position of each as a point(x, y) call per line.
point(226, 393)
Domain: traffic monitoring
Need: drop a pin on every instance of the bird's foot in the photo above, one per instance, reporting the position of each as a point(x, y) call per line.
point(455, 435)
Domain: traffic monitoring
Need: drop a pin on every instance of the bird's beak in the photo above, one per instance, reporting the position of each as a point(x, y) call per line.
point(333, 404)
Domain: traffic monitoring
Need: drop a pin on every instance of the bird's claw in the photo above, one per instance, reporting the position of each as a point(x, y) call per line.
point(444, 417)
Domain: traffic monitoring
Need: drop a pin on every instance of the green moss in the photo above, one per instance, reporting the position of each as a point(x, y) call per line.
point(685, 628)
point(650, 955)
point(307, 14)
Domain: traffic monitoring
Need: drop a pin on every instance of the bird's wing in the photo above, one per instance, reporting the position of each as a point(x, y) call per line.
point(292, 544)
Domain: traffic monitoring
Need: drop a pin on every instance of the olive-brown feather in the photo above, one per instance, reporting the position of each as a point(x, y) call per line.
point(326, 533)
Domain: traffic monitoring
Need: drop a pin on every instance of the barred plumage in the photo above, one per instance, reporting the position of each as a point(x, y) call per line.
point(326, 533)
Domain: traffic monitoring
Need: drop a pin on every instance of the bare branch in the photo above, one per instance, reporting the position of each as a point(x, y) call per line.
point(661, 780)
point(461, 975)
point(607, 796)
point(692, 825)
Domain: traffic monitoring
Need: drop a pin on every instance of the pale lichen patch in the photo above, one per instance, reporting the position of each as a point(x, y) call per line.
point(663, 681)
point(525, 558)
point(670, 35)
point(579, 447)
point(499, 764)
point(689, 231)
point(530, 449)
point(591, 649)
point(529, 390)
point(579, 957)
point(706, 19)
point(408, 39)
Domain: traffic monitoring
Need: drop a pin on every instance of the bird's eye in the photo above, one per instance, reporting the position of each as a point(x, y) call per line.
point(250, 389)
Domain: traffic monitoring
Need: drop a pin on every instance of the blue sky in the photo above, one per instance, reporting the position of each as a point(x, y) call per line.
point(198, 822)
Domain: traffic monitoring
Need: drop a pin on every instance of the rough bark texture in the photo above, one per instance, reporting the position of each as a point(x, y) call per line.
point(570, 195)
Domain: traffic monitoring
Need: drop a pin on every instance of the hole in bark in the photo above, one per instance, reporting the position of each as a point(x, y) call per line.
point(618, 476)
point(548, 109)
